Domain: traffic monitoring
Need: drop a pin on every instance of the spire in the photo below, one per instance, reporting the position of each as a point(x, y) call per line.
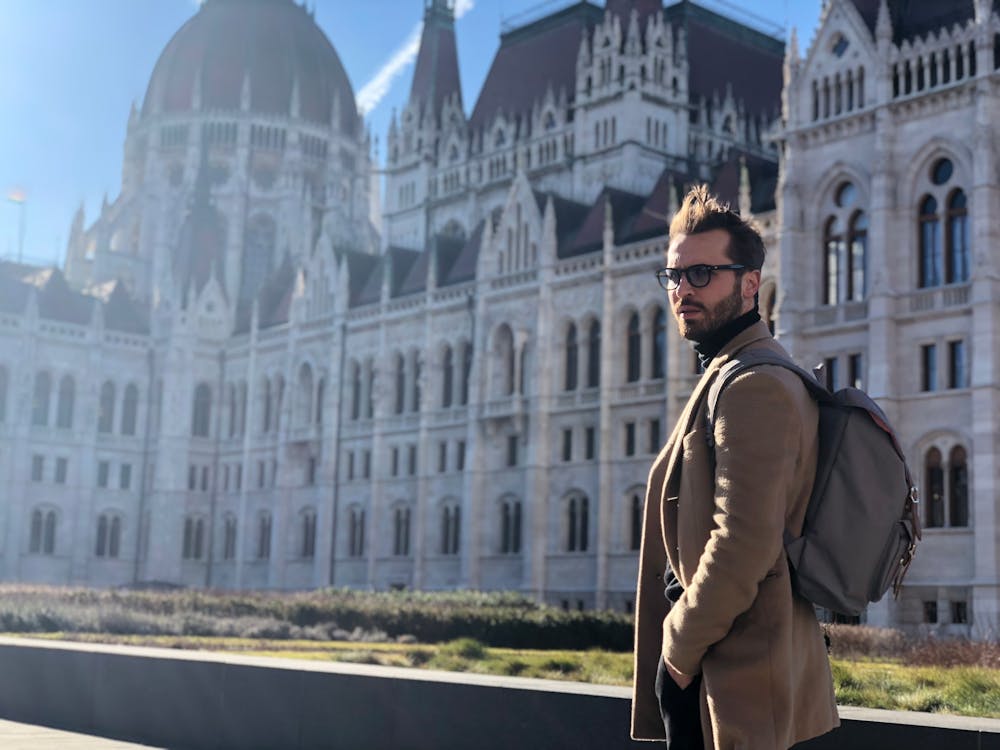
point(744, 188)
point(435, 76)
point(883, 26)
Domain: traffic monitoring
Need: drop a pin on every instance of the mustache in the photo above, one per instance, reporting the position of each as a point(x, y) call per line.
point(687, 302)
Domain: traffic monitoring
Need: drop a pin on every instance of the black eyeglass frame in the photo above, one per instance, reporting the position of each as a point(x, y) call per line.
point(670, 278)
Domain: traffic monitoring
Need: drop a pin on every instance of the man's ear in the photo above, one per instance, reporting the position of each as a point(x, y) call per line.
point(751, 284)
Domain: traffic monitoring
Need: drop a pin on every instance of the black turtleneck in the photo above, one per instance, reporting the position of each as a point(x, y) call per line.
point(713, 343)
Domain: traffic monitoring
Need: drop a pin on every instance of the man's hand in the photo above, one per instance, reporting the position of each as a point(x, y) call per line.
point(682, 680)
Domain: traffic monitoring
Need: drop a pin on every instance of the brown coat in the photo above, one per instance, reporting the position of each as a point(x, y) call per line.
point(765, 674)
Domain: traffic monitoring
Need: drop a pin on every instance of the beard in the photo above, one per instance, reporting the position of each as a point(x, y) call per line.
point(712, 319)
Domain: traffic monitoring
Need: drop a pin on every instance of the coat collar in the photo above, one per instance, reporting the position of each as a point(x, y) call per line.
point(757, 332)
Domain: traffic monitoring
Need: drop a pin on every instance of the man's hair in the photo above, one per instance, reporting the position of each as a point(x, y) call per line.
point(702, 212)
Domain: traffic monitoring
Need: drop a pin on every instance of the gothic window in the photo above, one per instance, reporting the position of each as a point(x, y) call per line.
point(40, 400)
point(264, 536)
point(450, 524)
point(659, 343)
point(504, 372)
point(233, 415)
point(320, 392)
point(106, 414)
point(933, 490)
point(109, 529)
point(356, 547)
point(415, 380)
point(466, 371)
point(192, 545)
point(845, 248)
point(957, 239)
point(635, 520)
point(633, 345)
point(930, 243)
point(201, 410)
point(958, 488)
point(401, 532)
point(370, 401)
point(572, 353)
point(510, 526)
point(400, 368)
point(229, 538)
point(64, 408)
point(447, 367)
point(266, 411)
point(279, 394)
point(355, 390)
point(130, 409)
point(305, 395)
point(43, 532)
point(308, 521)
point(594, 355)
point(577, 523)
point(258, 257)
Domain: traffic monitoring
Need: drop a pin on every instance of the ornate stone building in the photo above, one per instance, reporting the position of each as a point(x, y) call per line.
point(238, 382)
point(888, 206)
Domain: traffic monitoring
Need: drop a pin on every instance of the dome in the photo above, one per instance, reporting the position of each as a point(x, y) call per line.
point(268, 44)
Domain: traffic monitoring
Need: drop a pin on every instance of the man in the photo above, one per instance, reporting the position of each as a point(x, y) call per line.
point(738, 660)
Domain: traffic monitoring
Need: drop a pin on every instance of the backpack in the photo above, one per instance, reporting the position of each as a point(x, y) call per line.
point(861, 525)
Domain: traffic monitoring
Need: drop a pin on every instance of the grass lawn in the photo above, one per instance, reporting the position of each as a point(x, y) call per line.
point(883, 683)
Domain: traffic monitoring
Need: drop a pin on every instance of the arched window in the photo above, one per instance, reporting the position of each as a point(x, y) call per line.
point(447, 372)
point(266, 411)
point(577, 523)
point(450, 524)
point(357, 533)
point(279, 395)
point(35, 540)
point(400, 368)
point(64, 408)
point(930, 243)
point(572, 355)
point(401, 532)
point(634, 343)
point(40, 399)
point(49, 534)
point(833, 243)
point(370, 401)
point(3, 394)
point(355, 390)
point(466, 371)
point(958, 488)
point(957, 240)
point(309, 533)
point(505, 375)
point(415, 369)
point(320, 393)
point(201, 410)
point(510, 527)
point(659, 343)
point(109, 530)
point(106, 414)
point(303, 411)
point(635, 521)
point(130, 409)
point(233, 413)
point(264, 536)
point(857, 252)
point(594, 355)
point(229, 538)
point(933, 489)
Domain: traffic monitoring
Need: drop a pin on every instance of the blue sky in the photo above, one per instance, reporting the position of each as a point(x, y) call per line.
point(69, 70)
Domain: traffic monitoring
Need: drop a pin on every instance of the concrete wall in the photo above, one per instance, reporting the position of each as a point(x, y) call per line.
point(191, 701)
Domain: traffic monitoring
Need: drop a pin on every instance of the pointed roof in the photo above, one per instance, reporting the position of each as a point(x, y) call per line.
point(463, 266)
point(436, 75)
point(916, 18)
point(722, 52)
point(763, 182)
point(654, 217)
point(531, 60)
point(590, 236)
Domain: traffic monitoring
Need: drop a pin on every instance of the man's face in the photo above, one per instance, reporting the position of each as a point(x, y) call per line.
point(701, 311)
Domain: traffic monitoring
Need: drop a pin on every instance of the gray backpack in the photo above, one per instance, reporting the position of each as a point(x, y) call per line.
point(861, 525)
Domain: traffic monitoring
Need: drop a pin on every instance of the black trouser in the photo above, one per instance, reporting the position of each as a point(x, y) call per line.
point(681, 711)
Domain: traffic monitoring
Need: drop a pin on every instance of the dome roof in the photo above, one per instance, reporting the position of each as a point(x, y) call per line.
point(270, 45)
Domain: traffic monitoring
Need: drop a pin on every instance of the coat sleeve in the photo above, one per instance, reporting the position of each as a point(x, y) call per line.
point(757, 437)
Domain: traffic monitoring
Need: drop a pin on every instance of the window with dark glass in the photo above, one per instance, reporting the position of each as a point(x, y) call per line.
point(933, 490)
point(930, 612)
point(654, 436)
point(400, 384)
point(64, 409)
point(635, 517)
point(572, 355)
point(957, 373)
point(960, 612)
point(130, 409)
point(928, 367)
point(855, 372)
point(40, 400)
point(830, 373)
point(62, 467)
point(956, 264)
point(633, 348)
point(958, 488)
point(659, 343)
point(567, 445)
point(931, 251)
point(589, 441)
point(460, 456)
point(512, 450)
point(447, 372)
point(594, 355)
point(630, 438)
point(103, 469)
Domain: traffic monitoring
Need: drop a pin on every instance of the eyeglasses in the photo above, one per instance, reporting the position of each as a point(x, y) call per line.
point(698, 275)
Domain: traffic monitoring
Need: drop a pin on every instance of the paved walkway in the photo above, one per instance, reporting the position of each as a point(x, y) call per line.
point(14, 736)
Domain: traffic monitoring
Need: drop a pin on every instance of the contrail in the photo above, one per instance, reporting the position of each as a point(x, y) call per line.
point(375, 90)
